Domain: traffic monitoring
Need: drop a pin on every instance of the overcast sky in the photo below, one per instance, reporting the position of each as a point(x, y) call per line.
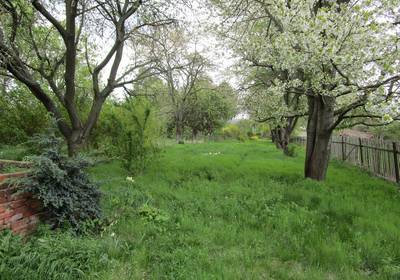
point(197, 19)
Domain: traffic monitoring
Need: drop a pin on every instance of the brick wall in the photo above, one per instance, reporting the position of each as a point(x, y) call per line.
point(19, 212)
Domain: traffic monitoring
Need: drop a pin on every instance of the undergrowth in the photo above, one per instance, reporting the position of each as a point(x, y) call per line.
point(225, 210)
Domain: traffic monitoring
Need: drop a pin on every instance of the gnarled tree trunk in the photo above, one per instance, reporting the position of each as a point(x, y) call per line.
point(281, 135)
point(319, 131)
point(179, 126)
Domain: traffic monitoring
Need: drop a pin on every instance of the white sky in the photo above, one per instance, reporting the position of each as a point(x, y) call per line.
point(196, 18)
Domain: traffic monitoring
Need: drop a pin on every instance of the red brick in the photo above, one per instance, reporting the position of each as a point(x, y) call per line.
point(21, 224)
point(3, 197)
point(17, 203)
point(35, 218)
point(25, 211)
point(6, 215)
point(16, 217)
point(18, 196)
point(19, 211)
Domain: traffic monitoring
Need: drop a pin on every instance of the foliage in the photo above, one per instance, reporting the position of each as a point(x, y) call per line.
point(152, 214)
point(254, 137)
point(340, 56)
point(244, 129)
point(139, 147)
point(210, 107)
point(18, 152)
point(21, 116)
point(389, 132)
point(52, 256)
point(292, 150)
point(68, 195)
point(231, 131)
point(302, 36)
point(289, 227)
point(130, 130)
point(194, 103)
point(48, 47)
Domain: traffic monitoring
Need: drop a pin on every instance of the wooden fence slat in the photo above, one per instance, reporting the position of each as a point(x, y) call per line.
point(375, 155)
point(396, 163)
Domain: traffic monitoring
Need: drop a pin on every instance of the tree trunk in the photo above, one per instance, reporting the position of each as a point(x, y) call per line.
point(178, 132)
point(282, 139)
point(194, 135)
point(75, 142)
point(281, 135)
point(179, 126)
point(273, 135)
point(78, 138)
point(319, 131)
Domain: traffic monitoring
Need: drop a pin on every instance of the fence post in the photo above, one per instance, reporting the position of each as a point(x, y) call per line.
point(396, 162)
point(343, 152)
point(361, 152)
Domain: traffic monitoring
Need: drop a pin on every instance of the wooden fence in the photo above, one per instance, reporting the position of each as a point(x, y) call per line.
point(377, 156)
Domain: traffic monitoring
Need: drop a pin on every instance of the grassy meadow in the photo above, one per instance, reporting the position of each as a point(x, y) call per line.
point(224, 210)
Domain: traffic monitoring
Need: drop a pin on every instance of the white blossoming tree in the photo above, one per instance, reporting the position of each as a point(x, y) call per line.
point(342, 55)
point(281, 109)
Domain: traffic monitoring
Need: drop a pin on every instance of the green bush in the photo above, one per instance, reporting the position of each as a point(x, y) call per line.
point(292, 150)
point(21, 115)
point(69, 197)
point(139, 142)
point(242, 137)
point(231, 131)
point(254, 138)
point(130, 131)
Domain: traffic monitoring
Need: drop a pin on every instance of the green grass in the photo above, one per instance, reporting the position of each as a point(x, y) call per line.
point(244, 213)
point(13, 152)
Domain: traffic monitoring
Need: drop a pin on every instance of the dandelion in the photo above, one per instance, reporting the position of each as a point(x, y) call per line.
point(130, 179)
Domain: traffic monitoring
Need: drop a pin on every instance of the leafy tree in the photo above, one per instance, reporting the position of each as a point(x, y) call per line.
point(130, 130)
point(265, 103)
point(42, 42)
point(21, 117)
point(210, 108)
point(180, 68)
point(341, 55)
point(139, 146)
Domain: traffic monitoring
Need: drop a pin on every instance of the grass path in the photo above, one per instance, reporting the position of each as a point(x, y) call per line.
point(236, 211)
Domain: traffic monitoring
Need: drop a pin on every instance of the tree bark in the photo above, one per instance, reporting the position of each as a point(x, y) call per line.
point(282, 138)
point(76, 130)
point(281, 135)
point(319, 131)
point(79, 137)
point(178, 126)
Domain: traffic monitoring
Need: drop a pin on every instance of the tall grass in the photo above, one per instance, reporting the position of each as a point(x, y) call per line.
point(225, 210)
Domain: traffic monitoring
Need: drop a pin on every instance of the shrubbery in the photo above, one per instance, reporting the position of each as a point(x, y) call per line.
point(130, 131)
point(138, 148)
point(231, 131)
point(254, 137)
point(292, 150)
point(68, 195)
point(244, 130)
